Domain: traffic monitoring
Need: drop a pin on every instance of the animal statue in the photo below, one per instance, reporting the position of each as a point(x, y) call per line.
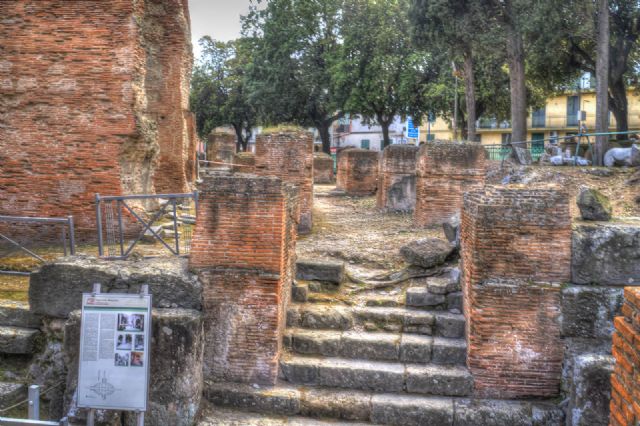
point(623, 156)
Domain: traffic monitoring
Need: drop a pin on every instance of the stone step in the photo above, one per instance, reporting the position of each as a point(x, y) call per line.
point(11, 393)
point(376, 376)
point(377, 346)
point(388, 319)
point(17, 314)
point(422, 297)
point(17, 340)
point(380, 408)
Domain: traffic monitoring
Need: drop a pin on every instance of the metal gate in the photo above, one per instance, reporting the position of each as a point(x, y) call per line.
point(39, 238)
point(164, 220)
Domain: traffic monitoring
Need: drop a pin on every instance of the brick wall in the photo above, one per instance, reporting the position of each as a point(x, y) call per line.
point(243, 250)
point(244, 162)
point(91, 95)
point(221, 147)
point(625, 380)
point(289, 156)
point(516, 253)
point(357, 171)
point(445, 171)
point(322, 168)
point(397, 178)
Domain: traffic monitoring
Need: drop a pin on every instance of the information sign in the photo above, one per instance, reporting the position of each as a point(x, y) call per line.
point(114, 351)
point(412, 131)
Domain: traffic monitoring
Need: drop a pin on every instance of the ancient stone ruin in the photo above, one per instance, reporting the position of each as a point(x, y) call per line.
point(288, 154)
point(357, 171)
point(221, 148)
point(445, 171)
point(97, 103)
point(244, 162)
point(322, 168)
point(397, 179)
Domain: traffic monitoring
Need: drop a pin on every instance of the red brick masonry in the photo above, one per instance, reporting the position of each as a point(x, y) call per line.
point(446, 170)
point(244, 162)
point(243, 250)
point(322, 168)
point(397, 178)
point(93, 99)
point(516, 253)
point(357, 171)
point(289, 156)
point(625, 380)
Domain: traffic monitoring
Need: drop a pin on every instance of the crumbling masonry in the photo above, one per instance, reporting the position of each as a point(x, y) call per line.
point(357, 171)
point(288, 155)
point(322, 168)
point(96, 103)
point(221, 147)
point(244, 251)
point(516, 253)
point(397, 179)
point(445, 172)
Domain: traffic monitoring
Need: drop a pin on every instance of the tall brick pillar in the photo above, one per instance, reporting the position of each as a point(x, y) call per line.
point(625, 380)
point(397, 178)
point(243, 250)
point(516, 253)
point(357, 171)
point(445, 171)
point(289, 156)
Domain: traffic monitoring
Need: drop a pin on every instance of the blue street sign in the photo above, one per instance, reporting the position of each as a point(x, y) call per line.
point(412, 131)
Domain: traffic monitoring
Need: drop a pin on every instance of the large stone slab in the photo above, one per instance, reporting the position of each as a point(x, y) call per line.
point(427, 252)
point(18, 340)
point(318, 270)
point(591, 391)
point(18, 314)
point(606, 254)
point(56, 288)
point(588, 311)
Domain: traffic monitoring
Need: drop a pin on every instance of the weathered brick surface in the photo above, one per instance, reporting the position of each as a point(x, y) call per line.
point(516, 252)
point(397, 178)
point(221, 147)
point(244, 162)
point(357, 171)
point(244, 252)
point(445, 172)
point(93, 99)
point(322, 168)
point(288, 155)
point(625, 380)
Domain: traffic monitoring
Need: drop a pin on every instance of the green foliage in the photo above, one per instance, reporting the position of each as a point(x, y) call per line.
point(218, 88)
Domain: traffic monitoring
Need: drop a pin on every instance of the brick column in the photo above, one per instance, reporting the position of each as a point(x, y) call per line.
point(288, 155)
point(243, 250)
point(322, 168)
point(397, 178)
point(445, 171)
point(516, 253)
point(357, 171)
point(625, 380)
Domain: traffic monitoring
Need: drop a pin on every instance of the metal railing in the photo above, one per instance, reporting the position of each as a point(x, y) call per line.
point(21, 244)
point(117, 219)
point(33, 402)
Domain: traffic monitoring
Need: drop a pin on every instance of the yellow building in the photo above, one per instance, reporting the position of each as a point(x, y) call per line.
point(558, 118)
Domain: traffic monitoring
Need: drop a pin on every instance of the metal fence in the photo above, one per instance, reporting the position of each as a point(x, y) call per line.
point(36, 238)
point(125, 221)
point(33, 404)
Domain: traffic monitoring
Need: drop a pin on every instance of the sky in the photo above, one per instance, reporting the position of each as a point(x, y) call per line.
point(219, 19)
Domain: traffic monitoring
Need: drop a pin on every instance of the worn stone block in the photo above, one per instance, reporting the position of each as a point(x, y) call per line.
point(606, 254)
point(317, 270)
point(590, 394)
point(427, 252)
point(322, 168)
point(357, 171)
point(588, 311)
point(401, 410)
point(397, 178)
point(18, 314)
point(56, 288)
point(18, 340)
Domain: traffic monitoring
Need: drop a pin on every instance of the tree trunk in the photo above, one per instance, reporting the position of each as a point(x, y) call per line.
point(239, 139)
point(515, 50)
point(470, 95)
point(602, 83)
point(325, 135)
point(618, 105)
point(386, 141)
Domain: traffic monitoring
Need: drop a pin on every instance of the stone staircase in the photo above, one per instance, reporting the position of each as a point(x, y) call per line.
point(386, 359)
point(19, 335)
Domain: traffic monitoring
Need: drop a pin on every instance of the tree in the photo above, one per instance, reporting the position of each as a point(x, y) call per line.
point(602, 73)
point(291, 78)
point(384, 74)
point(445, 24)
point(218, 89)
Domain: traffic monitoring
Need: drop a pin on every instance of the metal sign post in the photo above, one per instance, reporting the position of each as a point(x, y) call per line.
point(114, 352)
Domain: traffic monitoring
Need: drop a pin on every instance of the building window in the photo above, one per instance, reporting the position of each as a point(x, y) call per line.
point(365, 144)
point(573, 106)
point(538, 117)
